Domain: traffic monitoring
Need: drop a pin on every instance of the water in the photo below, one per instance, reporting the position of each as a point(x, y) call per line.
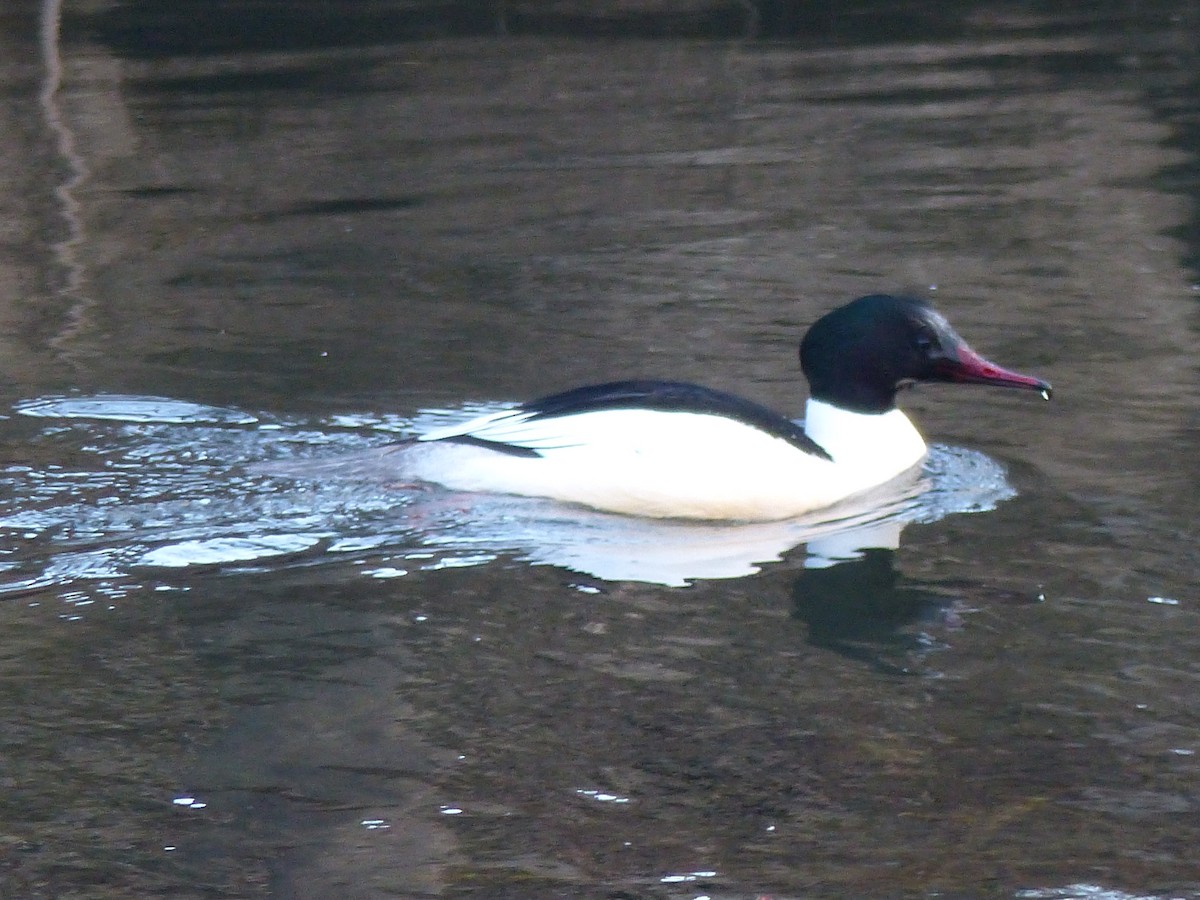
point(160, 477)
point(250, 240)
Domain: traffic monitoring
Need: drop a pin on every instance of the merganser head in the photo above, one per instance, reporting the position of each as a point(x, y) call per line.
point(858, 356)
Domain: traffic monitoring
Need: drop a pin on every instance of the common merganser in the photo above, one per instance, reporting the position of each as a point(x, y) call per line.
point(668, 449)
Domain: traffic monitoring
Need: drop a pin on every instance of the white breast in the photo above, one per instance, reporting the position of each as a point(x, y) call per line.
point(671, 464)
point(870, 447)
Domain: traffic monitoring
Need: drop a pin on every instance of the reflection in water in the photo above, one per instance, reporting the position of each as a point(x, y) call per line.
point(864, 610)
point(168, 489)
point(67, 249)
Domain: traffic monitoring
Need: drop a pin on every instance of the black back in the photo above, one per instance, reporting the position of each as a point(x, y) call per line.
point(672, 396)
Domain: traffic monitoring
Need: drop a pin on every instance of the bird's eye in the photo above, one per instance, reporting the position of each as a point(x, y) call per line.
point(924, 341)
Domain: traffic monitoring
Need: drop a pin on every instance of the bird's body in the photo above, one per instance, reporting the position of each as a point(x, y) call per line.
point(668, 449)
point(682, 463)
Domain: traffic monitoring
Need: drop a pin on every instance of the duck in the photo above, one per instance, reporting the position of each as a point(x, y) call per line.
point(675, 450)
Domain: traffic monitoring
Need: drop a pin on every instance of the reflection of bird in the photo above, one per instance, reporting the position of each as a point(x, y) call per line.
point(666, 449)
point(860, 608)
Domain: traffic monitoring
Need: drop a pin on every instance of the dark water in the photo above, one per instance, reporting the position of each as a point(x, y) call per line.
point(234, 233)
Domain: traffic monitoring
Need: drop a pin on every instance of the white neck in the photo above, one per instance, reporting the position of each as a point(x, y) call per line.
point(878, 441)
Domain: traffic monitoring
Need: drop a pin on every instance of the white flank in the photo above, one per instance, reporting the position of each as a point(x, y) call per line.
point(670, 464)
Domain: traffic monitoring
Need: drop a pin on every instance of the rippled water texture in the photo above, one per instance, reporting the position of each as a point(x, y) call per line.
point(238, 233)
point(161, 496)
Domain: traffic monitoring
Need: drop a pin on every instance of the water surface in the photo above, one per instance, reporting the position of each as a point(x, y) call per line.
point(297, 239)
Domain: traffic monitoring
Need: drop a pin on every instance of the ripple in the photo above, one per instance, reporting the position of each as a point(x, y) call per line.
point(163, 484)
point(226, 550)
point(1086, 892)
point(129, 408)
